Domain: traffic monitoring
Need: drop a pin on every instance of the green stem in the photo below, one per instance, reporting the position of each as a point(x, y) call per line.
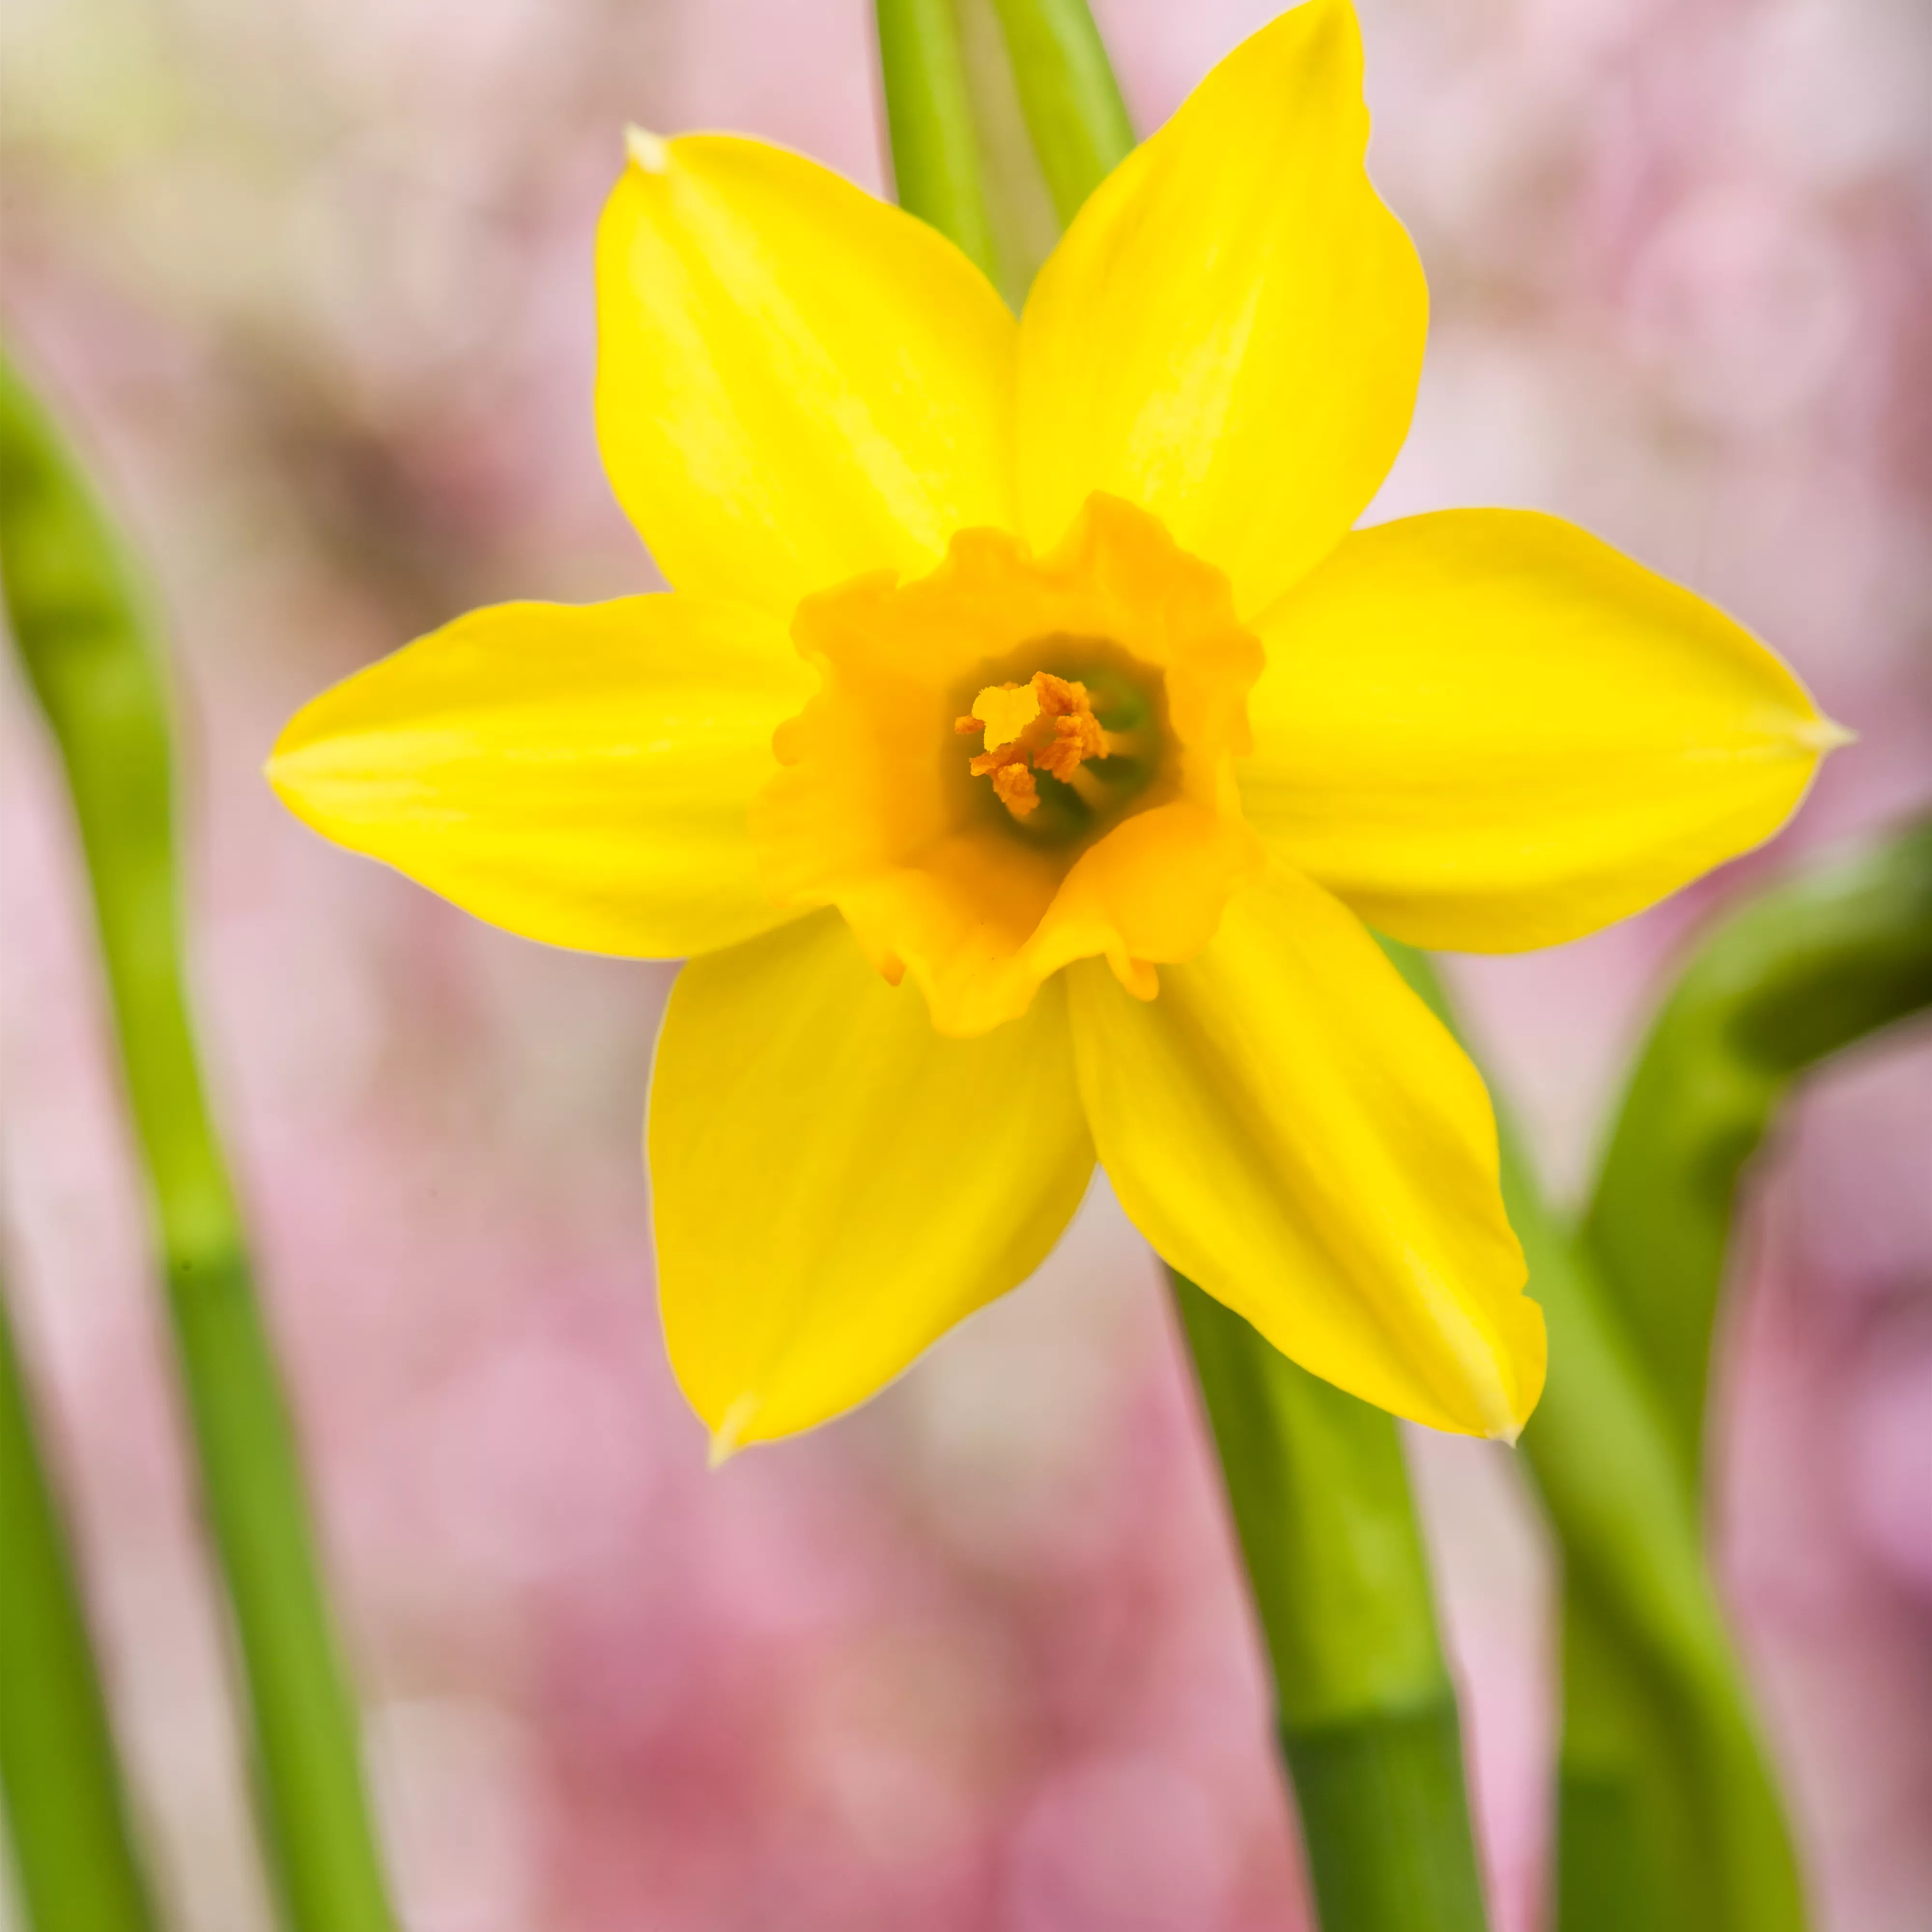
point(74, 1849)
point(1069, 95)
point(77, 623)
point(1799, 973)
point(1365, 1711)
point(1019, 204)
point(1667, 1816)
point(929, 119)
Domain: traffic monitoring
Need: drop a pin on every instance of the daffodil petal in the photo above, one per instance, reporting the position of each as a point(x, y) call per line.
point(1485, 729)
point(796, 382)
point(1295, 1132)
point(834, 1185)
point(580, 774)
point(1231, 333)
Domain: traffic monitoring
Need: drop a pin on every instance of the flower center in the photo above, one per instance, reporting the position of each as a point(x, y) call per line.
point(1100, 691)
point(1065, 755)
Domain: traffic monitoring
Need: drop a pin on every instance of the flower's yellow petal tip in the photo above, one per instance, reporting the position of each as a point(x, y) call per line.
point(283, 770)
point(1502, 1420)
point(728, 1438)
point(1507, 1390)
point(648, 152)
point(1826, 734)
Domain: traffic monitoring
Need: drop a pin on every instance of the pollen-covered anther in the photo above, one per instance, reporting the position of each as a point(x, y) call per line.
point(1046, 724)
point(1013, 786)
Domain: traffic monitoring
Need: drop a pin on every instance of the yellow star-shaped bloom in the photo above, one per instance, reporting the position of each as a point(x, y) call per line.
point(1026, 739)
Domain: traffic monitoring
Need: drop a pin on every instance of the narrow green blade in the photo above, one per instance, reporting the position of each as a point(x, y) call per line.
point(78, 624)
point(74, 1850)
point(1809, 968)
point(1668, 1820)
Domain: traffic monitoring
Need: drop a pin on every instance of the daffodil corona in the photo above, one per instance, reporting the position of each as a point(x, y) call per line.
point(1026, 739)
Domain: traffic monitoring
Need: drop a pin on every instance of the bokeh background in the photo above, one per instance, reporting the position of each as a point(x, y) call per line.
point(313, 278)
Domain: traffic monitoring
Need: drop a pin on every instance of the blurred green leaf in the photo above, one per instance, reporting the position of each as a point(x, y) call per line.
point(74, 1849)
point(1667, 1816)
point(1806, 970)
point(78, 623)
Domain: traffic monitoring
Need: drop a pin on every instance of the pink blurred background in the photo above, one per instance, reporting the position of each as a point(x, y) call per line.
point(314, 279)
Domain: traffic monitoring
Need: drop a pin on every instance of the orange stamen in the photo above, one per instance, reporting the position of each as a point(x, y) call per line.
point(1046, 724)
point(1013, 786)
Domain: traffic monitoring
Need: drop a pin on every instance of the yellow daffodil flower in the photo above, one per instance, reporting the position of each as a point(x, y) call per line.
point(1035, 662)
